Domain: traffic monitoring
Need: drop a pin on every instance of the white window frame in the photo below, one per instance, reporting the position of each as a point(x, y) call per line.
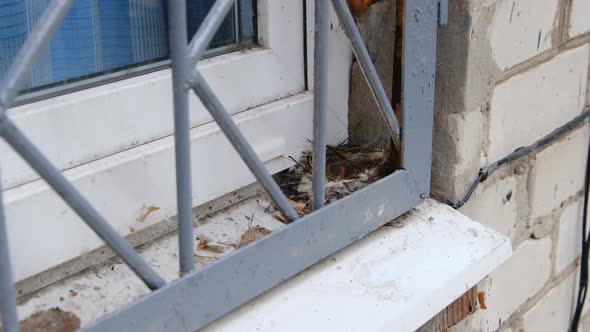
point(114, 141)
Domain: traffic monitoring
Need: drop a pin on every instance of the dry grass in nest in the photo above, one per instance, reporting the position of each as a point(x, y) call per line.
point(349, 168)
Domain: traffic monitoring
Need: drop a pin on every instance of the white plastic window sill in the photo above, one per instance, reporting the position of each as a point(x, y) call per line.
point(395, 279)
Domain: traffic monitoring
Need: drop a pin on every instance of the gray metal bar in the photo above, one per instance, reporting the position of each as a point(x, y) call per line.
point(208, 29)
point(180, 70)
point(368, 69)
point(220, 287)
point(7, 292)
point(320, 101)
point(443, 13)
point(36, 42)
point(418, 78)
point(27, 150)
point(239, 142)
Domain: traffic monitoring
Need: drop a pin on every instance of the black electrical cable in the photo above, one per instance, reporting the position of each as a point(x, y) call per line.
point(583, 282)
point(485, 172)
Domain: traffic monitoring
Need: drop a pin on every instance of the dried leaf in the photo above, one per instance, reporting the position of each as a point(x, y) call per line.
point(207, 244)
point(280, 217)
point(131, 229)
point(253, 234)
point(215, 247)
point(52, 320)
point(149, 210)
point(203, 241)
point(300, 207)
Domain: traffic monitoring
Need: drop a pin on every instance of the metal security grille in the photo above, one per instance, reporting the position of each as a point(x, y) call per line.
point(200, 297)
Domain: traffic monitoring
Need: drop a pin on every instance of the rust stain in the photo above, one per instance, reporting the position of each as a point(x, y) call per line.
point(149, 210)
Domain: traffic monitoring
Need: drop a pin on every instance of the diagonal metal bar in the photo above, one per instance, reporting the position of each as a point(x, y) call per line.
point(368, 69)
point(27, 150)
point(7, 292)
point(36, 43)
point(180, 70)
point(208, 29)
point(240, 143)
point(320, 102)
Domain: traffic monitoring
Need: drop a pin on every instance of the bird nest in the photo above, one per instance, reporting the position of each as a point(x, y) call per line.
point(349, 168)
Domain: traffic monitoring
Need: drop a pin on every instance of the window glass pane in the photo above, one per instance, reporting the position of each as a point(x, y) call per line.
point(197, 10)
point(99, 36)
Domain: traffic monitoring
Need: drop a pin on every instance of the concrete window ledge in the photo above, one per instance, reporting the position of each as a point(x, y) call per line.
point(395, 279)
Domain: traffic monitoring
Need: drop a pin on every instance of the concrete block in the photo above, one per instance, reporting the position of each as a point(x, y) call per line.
point(579, 22)
point(521, 29)
point(558, 172)
point(457, 154)
point(569, 241)
point(554, 311)
point(495, 206)
point(530, 105)
point(511, 285)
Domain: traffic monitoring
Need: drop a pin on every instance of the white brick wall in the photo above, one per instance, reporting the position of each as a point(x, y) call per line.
point(530, 105)
point(521, 29)
point(548, 85)
point(558, 173)
point(553, 312)
point(569, 242)
point(467, 130)
point(495, 206)
point(511, 285)
point(579, 21)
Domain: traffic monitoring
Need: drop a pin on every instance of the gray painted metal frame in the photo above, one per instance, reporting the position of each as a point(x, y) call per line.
point(200, 297)
point(203, 296)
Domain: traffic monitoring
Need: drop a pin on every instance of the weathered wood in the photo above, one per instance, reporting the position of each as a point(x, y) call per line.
point(365, 123)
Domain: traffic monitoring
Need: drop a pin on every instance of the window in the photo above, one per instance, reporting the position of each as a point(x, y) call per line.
point(115, 137)
point(99, 37)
